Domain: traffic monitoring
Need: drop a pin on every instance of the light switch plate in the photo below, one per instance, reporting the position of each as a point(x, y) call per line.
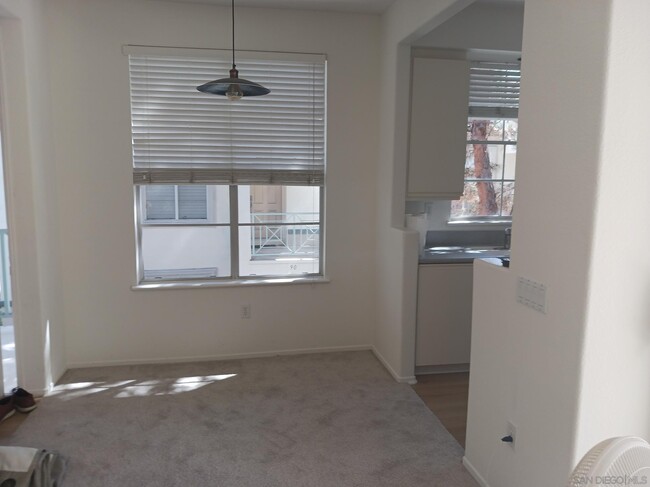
point(531, 294)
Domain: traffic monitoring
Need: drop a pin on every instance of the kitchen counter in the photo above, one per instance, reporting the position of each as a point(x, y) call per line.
point(463, 255)
point(444, 304)
point(463, 247)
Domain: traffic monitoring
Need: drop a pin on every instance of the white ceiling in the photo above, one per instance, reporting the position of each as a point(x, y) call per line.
point(368, 6)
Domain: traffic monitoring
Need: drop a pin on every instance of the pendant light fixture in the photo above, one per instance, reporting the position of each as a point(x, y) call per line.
point(233, 87)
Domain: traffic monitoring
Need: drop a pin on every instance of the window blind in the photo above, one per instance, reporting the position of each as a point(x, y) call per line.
point(183, 136)
point(161, 203)
point(167, 202)
point(192, 202)
point(494, 89)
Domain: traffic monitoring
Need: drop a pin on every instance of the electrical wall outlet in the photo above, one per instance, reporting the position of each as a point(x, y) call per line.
point(246, 311)
point(512, 431)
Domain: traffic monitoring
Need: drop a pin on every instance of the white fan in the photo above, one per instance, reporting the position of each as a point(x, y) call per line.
point(617, 461)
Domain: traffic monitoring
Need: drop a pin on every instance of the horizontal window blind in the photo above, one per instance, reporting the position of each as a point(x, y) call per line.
point(167, 202)
point(494, 89)
point(183, 136)
point(192, 202)
point(161, 203)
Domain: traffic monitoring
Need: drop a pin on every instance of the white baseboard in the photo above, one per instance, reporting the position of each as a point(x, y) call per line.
point(38, 393)
point(403, 380)
point(441, 369)
point(56, 379)
point(239, 356)
point(209, 358)
point(474, 473)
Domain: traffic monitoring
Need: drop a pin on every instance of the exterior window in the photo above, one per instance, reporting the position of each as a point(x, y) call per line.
point(275, 229)
point(491, 152)
point(227, 190)
point(490, 163)
point(173, 202)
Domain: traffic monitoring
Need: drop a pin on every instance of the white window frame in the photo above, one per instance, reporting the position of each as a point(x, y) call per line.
point(234, 225)
point(492, 106)
point(498, 219)
point(177, 175)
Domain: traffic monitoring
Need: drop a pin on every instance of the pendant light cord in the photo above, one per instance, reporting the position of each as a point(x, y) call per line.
point(233, 33)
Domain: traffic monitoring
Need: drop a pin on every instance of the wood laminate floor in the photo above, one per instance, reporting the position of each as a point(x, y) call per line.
point(446, 395)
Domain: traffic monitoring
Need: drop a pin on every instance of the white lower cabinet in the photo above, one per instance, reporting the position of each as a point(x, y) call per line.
point(444, 314)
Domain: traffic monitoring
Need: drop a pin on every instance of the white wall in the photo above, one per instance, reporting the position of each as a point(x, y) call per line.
point(3, 205)
point(31, 196)
point(615, 376)
point(579, 373)
point(482, 25)
point(106, 321)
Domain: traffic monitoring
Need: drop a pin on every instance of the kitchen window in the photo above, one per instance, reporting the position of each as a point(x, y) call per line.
point(227, 191)
point(491, 151)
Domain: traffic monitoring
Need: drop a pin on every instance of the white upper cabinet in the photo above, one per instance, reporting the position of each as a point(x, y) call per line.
point(439, 101)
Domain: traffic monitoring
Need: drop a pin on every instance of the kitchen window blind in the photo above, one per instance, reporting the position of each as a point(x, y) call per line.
point(182, 136)
point(494, 89)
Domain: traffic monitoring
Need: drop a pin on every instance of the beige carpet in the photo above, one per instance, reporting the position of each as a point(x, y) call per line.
point(313, 420)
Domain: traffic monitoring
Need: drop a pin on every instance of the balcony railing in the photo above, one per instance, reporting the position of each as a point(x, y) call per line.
point(284, 234)
point(6, 304)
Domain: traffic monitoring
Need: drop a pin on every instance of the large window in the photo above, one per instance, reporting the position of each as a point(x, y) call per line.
point(227, 190)
point(491, 155)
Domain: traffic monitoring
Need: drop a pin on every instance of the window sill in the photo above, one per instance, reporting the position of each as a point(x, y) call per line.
point(262, 281)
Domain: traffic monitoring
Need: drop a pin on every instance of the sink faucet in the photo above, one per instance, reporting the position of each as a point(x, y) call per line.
point(507, 238)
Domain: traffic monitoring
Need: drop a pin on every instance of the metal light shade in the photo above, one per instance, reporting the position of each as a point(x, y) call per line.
point(234, 84)
point(234, 87)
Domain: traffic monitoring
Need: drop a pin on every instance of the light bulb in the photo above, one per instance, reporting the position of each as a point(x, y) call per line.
point(234, 92)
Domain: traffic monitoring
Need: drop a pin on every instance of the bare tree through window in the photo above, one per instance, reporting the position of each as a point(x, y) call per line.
point(487, 196)
point(490, 163)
